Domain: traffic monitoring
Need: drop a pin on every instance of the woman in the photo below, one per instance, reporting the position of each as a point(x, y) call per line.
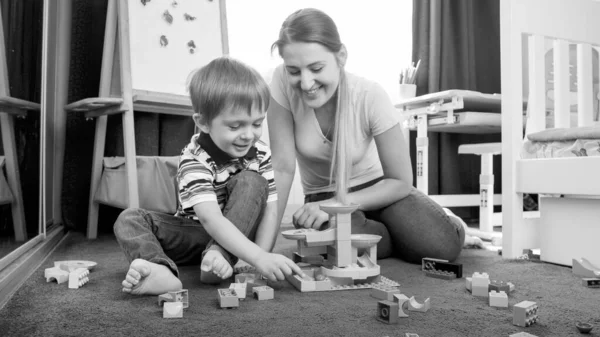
point(342, 131)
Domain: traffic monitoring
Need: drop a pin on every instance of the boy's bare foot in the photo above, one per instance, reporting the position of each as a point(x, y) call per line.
point(148, 278)
point(214, 268)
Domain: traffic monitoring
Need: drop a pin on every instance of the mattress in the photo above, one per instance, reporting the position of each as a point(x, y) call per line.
point(562, 142)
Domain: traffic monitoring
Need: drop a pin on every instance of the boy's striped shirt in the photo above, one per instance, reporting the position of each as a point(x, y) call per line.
point(204, 171)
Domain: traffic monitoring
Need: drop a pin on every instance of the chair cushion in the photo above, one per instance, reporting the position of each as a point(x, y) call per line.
point(156, 183)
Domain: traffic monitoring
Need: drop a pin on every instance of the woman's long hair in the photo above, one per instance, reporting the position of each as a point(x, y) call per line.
point(311, 25)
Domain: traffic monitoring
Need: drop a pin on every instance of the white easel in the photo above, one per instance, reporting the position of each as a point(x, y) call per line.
point(9, 108)
point(118, 96)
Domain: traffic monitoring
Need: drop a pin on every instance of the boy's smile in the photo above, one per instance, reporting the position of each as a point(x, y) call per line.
point(234, 131)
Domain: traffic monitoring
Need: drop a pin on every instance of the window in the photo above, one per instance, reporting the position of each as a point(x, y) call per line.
point(377, 34)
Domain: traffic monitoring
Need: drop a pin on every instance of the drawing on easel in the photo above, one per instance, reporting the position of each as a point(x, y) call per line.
point(169, 39)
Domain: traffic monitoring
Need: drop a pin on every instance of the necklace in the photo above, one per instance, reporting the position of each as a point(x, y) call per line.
point(327, 134)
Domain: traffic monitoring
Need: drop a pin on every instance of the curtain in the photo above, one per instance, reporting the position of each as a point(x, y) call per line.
point(155, 135)
point(458, 43)
point(22, 25)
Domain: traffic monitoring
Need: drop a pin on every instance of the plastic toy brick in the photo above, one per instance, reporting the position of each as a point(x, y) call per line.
point(429, 264)
point(532, 254)
point(175, 296)
point(408, 334)
point(498, 299)
point(445, 275)
point(413, 305)
point(384, 292)
point(387, 312)
point(78, 277)
point(591, 282)
point(525, 313)
point(479, 284)
point(59, 275)
point(402, 301)
point(468, 282)
point(263, 293)
point(499, 286)
point(228, 298)
point(240, 289)
point(522, 334)
point(173, 310)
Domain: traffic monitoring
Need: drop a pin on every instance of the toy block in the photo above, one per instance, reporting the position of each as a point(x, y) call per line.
point(387, 312)
point(499, 286)
point(71, 265)
point(59, 275)
point(584, 268)
point(413, 305)
point(429, 264)
point(525, 313)
point(228, 298)
point(498, 299)
point(532, 254)
point(584, 327)
point(468, 283)
point(173, 310)
point(175, 296)
point(263, 293)
point(384, 292)
point(408, 334)
point(240, 289)
point(247, 277)
point(480, 284)
point(445, 275)
point(78, 278)
point(511, 287)
point(591, 282)
point(522, 334)
point(402, 301)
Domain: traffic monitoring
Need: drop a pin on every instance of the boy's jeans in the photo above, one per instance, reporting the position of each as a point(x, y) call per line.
point(169, 240)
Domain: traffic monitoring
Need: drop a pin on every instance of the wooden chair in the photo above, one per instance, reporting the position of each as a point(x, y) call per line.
point(10, 108)
point(118, 96)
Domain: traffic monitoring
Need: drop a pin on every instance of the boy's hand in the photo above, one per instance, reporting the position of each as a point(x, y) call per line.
point(276, 266)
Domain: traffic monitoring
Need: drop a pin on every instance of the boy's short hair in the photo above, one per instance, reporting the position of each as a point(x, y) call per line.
point(226, 83)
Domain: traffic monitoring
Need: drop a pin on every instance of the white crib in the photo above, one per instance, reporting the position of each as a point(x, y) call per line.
point(568, 226)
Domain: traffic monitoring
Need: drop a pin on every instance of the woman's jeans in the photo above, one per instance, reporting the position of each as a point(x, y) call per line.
point(411, 228)
point(169, 240)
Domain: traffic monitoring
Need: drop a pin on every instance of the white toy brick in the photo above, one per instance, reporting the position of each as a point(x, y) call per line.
point(413, 305)
point(525, 313)
point(240, 289)
point(498, 299)
point(173, 310)
point(78, 277)
point(57, 274)
point(402, 301)
point(479, 284)
point(468, 283)
point(228, 298)
point(263, 293)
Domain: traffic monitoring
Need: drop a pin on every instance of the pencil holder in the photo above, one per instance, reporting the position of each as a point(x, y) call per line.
point(407, 91)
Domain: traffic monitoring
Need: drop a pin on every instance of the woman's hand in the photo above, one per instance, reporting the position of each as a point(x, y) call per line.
point(310, 216)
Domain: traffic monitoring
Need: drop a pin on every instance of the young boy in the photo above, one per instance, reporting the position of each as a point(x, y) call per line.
point(227, 198)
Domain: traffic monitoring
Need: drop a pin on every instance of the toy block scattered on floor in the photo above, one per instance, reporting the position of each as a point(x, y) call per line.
point(522, 334)
point(468, 282)
point(430, 264)
point(240, 289)
point(585, 268)
point(591, 282)
point(263, 293)
point(497, 286)
point(479, 284)
point(532, 254)
point(251, 280)
point(408, 334)
point(384, 292)
point(444, 275)
point(402, 301)
point(78, 278)
point(173, 310)
point(387, 312)
point(498, 299)
point(175, 296)
point(413, 305)
point(228, 298)
point(525, 313)
point(59, 275)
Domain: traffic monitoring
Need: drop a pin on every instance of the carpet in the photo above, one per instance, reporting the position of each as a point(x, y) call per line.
point(99, 308)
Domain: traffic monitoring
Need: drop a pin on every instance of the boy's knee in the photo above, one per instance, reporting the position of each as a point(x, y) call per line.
point(250, 181)
point(126, 217)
